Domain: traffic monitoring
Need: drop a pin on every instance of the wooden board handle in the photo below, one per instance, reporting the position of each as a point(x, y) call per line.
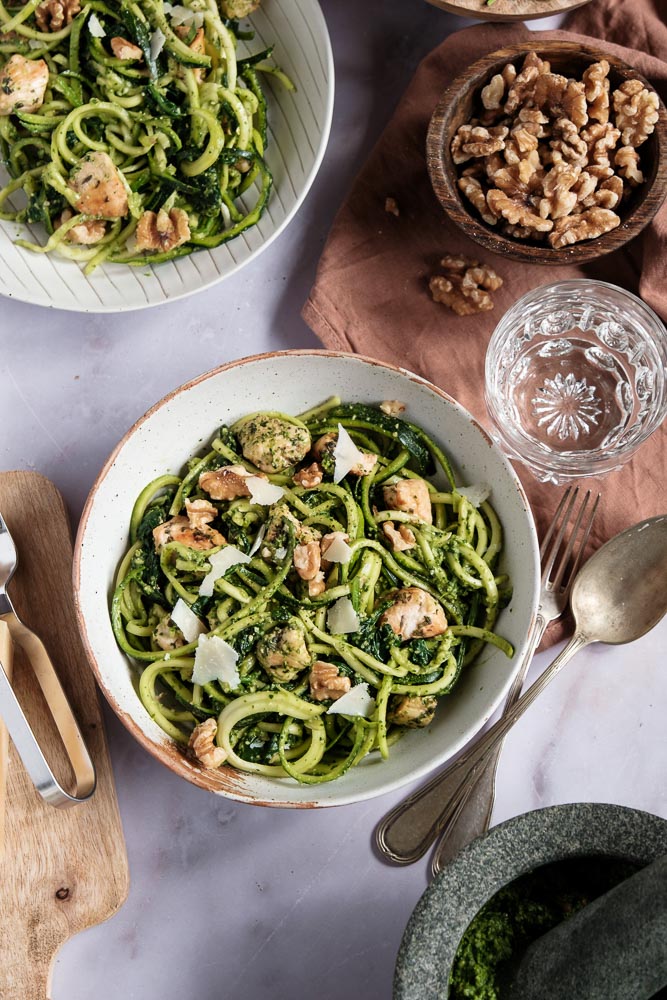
point(6, 658)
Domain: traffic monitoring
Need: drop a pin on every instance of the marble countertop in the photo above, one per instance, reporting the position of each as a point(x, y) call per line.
point(229, 900)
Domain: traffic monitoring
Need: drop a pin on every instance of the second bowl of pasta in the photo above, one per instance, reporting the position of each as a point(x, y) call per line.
point(305, 578)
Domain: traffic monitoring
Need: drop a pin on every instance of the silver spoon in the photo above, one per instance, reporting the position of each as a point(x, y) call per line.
point(618, 596)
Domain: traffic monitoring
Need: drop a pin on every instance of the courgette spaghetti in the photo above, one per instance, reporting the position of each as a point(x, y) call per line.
point(134, 133)
point(307, 589)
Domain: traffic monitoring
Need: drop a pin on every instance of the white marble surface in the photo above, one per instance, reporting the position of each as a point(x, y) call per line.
point(230, 901)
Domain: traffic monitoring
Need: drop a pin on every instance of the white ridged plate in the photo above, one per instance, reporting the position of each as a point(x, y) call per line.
point(299, 124)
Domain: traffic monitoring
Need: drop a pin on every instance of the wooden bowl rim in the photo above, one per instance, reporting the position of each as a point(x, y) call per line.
point(488, 14)
point(437, 151)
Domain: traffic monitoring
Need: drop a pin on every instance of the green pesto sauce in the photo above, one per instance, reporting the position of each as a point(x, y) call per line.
point(522, 912)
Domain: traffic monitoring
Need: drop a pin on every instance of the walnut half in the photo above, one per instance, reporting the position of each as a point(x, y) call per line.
point(202, 744)
point(163, 231)
point(52, 15)
point(466, 285)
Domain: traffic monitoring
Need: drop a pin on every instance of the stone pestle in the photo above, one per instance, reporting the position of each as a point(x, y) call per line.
point(613, 949)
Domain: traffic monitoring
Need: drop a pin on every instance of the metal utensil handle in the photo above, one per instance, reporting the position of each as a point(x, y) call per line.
point(469, 766)
point(474, 815)
point(401, 836)
point(19, 728)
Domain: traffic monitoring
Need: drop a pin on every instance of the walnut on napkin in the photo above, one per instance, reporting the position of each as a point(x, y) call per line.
point(549, 157)
point(465, 286)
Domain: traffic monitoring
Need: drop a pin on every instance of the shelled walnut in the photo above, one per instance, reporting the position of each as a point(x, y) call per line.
point(465, 286)
point(550, 158)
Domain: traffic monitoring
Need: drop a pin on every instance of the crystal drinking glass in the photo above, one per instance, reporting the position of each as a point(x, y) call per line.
point(576, 378)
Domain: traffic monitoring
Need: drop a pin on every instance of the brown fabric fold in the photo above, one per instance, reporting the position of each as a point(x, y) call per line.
point(371, 292)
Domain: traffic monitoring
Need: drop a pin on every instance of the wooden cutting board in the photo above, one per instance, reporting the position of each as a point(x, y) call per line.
point(62, 870)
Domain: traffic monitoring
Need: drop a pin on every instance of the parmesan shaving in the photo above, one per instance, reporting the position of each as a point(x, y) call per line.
point(220, 562)
point(475, 494)
point(346, 454)
point(263, 492)
point(339, 551)
point(357, 702)
point(215, 660)
point(95, 27)
point(342, 618)
point(182, 15)
point(158, 38)
point(258, 540)
point(184, 618)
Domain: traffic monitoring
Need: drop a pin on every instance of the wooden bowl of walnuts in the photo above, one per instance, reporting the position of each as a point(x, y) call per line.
point(551, 153)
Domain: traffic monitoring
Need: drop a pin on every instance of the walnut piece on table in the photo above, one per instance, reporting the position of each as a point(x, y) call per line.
point(466, 285)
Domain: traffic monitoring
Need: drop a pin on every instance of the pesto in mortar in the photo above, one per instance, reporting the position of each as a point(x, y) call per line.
point(520, 913)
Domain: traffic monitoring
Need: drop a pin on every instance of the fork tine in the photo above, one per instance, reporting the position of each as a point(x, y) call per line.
point(565, 558)
point(584, 539)
point(553, 552)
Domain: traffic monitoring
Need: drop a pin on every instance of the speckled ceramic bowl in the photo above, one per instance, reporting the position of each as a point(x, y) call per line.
point(292, 381)
point(491, 862)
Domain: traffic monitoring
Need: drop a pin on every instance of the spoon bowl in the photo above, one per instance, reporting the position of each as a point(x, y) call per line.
point(621, 592)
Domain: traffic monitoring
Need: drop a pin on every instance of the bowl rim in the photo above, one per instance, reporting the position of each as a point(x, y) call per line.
point(438, 155)
point(557, 832)
point(326, 123)
point(175, 760)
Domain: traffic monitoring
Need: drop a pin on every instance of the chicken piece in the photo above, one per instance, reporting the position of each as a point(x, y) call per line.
point(122, 49)
point(324, 449)
point(283, 652)
point(277, 530)
point(415, 614)
point(200, 513)
point(273, 444)
point(411, 711)
point(411, 496)
point(202, 744)
point(317, 585)
point(237, 9)
point(227, 483)
point(23, 83)
point(85, 233)
point(99, 186)
point(168, 636)
point(326, 682)
point(307, 560)
point(309, 477)
point(400, 540)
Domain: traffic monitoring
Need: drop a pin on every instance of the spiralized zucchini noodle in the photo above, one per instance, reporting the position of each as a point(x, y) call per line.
point(134, 131)
point(307, 589)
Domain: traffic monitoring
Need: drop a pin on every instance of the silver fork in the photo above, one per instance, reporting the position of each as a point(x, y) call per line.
point(446, 802)
point(12, 714)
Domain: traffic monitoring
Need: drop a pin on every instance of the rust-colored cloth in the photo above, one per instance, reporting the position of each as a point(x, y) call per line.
point(371, 293)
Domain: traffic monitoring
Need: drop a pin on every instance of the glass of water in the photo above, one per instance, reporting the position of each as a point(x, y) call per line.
point(576, 378)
